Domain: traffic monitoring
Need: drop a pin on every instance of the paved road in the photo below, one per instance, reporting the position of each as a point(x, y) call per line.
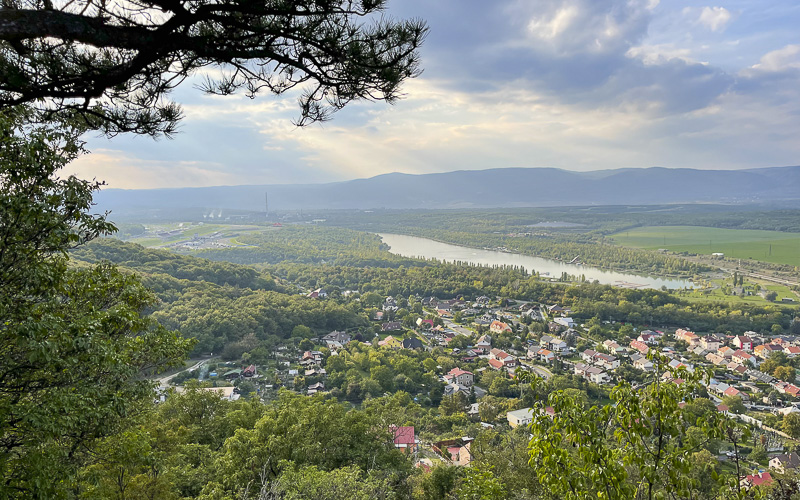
point(164, 381)
point(457, 328)
point(542, 371)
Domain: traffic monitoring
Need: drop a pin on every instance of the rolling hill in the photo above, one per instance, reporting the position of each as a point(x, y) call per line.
point(501, 187)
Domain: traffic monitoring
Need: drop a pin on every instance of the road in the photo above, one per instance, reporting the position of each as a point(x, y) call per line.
point(457, 328)
point(164, 381)
point(541, 371)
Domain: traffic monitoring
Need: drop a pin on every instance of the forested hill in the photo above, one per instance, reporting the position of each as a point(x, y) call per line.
point(503, 187)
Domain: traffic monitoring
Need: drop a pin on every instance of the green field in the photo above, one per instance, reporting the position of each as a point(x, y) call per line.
point(767, 246)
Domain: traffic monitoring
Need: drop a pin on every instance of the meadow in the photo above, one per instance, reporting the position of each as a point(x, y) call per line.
point(768, 246)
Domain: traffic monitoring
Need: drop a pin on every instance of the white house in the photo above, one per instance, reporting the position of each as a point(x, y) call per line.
point(568, 322)
point(520, 417)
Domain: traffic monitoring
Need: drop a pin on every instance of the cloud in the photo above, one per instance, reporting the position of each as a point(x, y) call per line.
point(782, 59)
point(119, 170)
point(652, 55)
point(584, 26)
point(715, 18)
point(580, 84)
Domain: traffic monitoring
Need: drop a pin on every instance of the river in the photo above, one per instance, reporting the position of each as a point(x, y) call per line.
point(413, 246)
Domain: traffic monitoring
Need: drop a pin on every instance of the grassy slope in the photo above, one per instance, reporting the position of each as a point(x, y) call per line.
point(734, 243)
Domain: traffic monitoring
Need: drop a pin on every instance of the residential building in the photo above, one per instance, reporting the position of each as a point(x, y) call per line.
point(784, 462)
point(390, 342)
point(741, 356)
point(499, 327)
point(517, 418)
point(460, 377)
point(743, 342)
point(405, 438)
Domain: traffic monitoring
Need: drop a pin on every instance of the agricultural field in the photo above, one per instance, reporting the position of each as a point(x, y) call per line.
point(767, 246)
point(172, 234)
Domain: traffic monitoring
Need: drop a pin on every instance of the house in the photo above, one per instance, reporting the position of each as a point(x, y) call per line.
point(390, 342)
point(640, 346)
point(591, 373)
point(392, 326)
point(545, 355)
point(557, 345)
point(484, 342)
point(429, 301)
point(223, 392)
point(716, 359)
point(644, 364)
point(425, 324)
point(763, 351)
point(741, 357)
point(503, 357)
point(760, 376)
point(726, 352)
point(784, 461)
point(647, 339)
point(336, 339)
point(597, 375)
point(743, 342)
point(733, 391)
point(517, 418)
point(496, 364)
point(412, 343)
point(319, 293)
point(557, 309)
point(460, 377)
point(686, 335)
point(675, 364)
point(404, 438)
point(791, 351)
point(568, 322)
point(311, 358)
point(455, 451)
point(499, 327)
point(613, 347)
point(315, 388)
point(250, 371)
point(606, 361)
point(709, 343)
point(588, 355)
point(755, 480)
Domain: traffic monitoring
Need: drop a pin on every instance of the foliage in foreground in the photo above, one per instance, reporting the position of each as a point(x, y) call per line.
point(74, 342)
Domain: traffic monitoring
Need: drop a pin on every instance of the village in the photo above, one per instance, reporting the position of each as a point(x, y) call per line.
point(497, 336)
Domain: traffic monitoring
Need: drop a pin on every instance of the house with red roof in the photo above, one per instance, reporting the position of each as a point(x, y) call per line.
point(733, 391)
point(460, 377)
point(496, 364)
point(741, 356)
point(405, 438)
point(499, 327)
point(755, 480)
point(545, 355)
point(502, 356)
point(640, 346)
point(792, 390)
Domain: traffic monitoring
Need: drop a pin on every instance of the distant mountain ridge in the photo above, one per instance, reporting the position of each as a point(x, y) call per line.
point(499, 187)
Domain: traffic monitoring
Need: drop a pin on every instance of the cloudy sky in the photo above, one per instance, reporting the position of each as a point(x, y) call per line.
point(575, 84)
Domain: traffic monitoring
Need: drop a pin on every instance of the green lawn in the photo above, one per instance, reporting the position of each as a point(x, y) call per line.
point(715, 293)
point(767, 246)
point(150, 240)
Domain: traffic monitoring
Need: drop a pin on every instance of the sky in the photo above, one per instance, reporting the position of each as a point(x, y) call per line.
point(574, 84)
